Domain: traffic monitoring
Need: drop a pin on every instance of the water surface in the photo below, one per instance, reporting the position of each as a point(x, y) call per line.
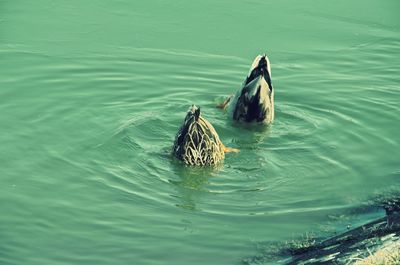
point(92, 95)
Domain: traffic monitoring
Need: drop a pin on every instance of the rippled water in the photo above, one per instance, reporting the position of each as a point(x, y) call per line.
point(91, 96)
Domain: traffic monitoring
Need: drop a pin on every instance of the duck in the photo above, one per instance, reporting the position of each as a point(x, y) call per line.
point(254, 101)
point(197, 142)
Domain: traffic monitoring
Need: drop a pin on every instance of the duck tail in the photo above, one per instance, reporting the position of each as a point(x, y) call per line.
point(197, 114)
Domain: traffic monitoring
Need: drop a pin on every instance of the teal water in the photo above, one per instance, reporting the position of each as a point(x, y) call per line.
point(92, 94)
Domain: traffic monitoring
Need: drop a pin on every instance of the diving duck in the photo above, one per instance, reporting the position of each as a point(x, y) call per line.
point(197, 142)
point(254, 102)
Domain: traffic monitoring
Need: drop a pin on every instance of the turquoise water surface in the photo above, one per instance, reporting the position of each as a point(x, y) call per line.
point(93, 93)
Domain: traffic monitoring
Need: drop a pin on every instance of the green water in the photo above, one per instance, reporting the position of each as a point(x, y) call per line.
point(93, 92)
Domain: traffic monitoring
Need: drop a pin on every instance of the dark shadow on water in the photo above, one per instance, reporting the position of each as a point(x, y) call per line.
point(345, 246)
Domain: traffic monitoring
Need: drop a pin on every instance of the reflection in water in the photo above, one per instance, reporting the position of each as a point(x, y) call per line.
point(191, 183)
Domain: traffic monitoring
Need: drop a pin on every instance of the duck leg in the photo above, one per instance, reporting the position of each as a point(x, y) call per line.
point(225, 103)
point(229, 149)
